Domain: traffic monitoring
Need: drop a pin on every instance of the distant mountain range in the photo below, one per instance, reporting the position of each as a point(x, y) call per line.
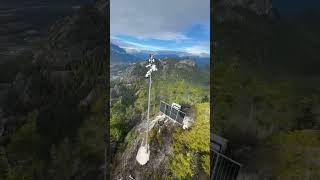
point(119, 55)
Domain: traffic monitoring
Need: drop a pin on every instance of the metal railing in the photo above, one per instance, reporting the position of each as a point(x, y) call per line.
point(223, 167)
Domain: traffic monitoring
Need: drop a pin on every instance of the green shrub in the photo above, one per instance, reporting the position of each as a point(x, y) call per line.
point(192, 144)
point(294, 154)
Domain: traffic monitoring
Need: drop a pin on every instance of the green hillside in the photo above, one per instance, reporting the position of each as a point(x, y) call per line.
point(266, 95)
point(176, 81)
point(53, 115)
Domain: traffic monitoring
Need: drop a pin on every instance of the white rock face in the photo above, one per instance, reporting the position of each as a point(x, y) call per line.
point(187, 122)
point(143, 155)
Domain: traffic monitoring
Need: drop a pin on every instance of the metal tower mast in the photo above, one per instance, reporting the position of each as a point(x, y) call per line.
point(144, 152)
point(152, 67)
point(148, 113)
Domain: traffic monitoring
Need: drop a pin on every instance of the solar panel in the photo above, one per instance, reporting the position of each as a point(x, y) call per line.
point(168, 110)
point(162, 107)
point(180, 117)
point(174, 113)
point(171, 112)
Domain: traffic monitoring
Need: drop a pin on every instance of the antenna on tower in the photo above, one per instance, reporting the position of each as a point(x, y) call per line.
point(144, 152)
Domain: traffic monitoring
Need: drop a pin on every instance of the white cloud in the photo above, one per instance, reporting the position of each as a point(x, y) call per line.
point(134, 46)
point(197, 50)
point(132, 50)
point(158, 19)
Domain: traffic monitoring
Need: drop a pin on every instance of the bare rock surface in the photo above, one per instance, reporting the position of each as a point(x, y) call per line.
point(161, 131)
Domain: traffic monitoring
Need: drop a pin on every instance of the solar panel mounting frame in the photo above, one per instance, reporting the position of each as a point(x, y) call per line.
point(169, 114)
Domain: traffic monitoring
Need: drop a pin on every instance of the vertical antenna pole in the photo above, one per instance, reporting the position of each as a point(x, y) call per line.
point(143, 154)
point(148, 111)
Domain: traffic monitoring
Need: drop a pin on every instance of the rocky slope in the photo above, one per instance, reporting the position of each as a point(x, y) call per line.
point(176, 81)
point(160, 150)
point(68, 45)
point(256, 55)
point(64, 76)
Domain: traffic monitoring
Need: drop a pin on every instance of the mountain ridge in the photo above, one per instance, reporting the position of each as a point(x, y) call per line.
point(119, 55)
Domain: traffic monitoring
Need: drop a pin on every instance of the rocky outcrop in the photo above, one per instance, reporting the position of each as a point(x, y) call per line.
point(161, 130)
point(71, 39)
point(187, 64)
point(90, 98)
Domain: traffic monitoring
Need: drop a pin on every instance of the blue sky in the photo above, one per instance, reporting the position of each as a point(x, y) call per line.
point(180, 25)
